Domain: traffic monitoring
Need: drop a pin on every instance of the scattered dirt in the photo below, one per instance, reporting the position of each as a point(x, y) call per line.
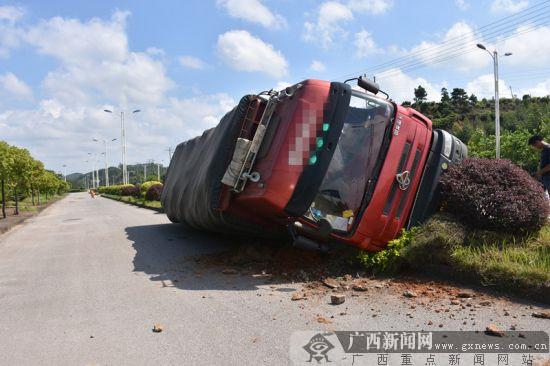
point(323, 275)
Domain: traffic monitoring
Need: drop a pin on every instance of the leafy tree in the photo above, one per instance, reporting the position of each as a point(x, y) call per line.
point(445, 96)
point(459, 99)
point(420, 94)
point(20, 172)
point(513, 146)
point(6, 162)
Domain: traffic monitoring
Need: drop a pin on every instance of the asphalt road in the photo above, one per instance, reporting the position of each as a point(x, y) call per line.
point(83, 283)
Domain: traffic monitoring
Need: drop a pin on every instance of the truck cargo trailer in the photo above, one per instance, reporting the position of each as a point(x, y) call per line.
point(320, 160)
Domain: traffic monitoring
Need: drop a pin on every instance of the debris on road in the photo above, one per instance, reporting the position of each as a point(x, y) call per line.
point(493, 330)
point(541, 315)
point(323, 320)
point(360, 287)
point(409, 294)
point(465, 295)
point(337, 299)
point(298, 296)
point(330, 283)
point(157, 328)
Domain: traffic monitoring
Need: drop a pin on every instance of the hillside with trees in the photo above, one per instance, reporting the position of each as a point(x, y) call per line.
point(136, 175)
point(473, 121)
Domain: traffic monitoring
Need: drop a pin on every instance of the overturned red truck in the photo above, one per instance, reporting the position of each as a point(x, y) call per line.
point(320, 160)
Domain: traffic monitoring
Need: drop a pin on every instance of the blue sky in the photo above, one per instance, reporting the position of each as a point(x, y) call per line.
point(185, 63)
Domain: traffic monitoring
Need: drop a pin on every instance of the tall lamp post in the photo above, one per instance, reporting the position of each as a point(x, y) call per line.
point(86, 177)
point(95, 174)
point(123, 141)
point(106, 159)
point(65, 172)
point(494, 56)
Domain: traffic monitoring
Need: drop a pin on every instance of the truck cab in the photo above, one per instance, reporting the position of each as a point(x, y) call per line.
point(325, 160)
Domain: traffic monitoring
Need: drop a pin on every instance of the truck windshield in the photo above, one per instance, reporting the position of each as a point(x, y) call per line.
point(352, 166)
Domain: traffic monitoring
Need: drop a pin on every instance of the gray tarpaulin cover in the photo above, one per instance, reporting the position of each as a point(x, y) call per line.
point(192, 188)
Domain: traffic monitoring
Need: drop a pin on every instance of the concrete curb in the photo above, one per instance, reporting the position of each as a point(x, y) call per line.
point(114, 198)
point(24, 219)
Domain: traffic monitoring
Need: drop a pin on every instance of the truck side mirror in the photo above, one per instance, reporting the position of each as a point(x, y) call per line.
point(368, 85)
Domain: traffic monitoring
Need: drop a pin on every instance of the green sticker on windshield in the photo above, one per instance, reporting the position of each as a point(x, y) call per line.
point(320, 142)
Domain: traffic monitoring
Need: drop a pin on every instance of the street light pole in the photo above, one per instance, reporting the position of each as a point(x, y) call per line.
point(65, 172)
point(494, 56)
point(125, 178)
point(106, 154)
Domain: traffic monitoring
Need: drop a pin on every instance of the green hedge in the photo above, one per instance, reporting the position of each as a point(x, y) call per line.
point(146, 185)
point(114, 190)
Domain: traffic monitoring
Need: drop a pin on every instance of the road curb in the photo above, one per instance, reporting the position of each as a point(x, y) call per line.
point(160, 210)
point(39, 211)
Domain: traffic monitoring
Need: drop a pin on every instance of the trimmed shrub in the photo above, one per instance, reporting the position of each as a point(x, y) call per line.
point(154, 192)
point(113, 190)
point(146, 185)
point(494, 194)
point(130, 190)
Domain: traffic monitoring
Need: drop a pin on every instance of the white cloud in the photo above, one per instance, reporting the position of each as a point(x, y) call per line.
point(75, 42)
point(459, 37)
point(400, 86)
point(9, 34)
point(508, 6)
point(253, 11)
point(282, 85)
point(317, 66)
point(540, 89)
point(13, 86)
point(327, 28)
point(527, 46)
point(244, 52)
point(484, 86)
point(97, 70)
point(191, 62)
point(365, 45)
point(11, 14)
point(371, 6)
point(462, 4)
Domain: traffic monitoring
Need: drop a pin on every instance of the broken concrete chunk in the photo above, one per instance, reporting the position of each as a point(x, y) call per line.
point(330, 283)
point(494, 331)
point(409, 294)
point(157, 328)
point(337, 299)
point(359, 287)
